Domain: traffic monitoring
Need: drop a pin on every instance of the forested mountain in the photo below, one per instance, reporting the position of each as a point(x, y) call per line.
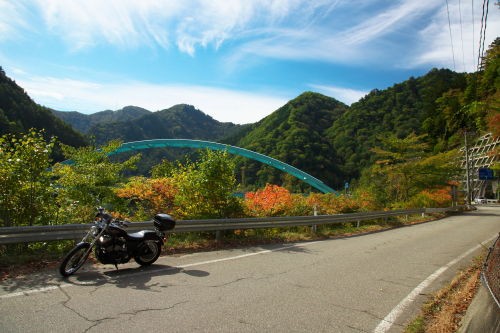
point(83, 122)
point(19, 113)
point(133, 123)
point(333, 142)
point(180, 121)
point(411, 106)
point(295, 134)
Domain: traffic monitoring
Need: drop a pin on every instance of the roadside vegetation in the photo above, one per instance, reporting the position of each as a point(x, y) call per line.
point(446, 307)
point(34, 191)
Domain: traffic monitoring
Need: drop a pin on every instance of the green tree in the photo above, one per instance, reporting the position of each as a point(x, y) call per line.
point(25, 189)
point(89, 178)
point(164, 169)
point(405, 167)
point(205, 189)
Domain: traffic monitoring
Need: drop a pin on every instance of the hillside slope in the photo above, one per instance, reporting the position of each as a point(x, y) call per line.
point(295, 134)
point(19, 113)
point(180, 121)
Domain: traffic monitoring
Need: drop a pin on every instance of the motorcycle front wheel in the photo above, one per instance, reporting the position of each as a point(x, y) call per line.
point(74, 259)
point(152, 250)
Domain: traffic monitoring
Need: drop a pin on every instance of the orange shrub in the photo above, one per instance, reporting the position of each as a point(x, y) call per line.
point(432, 198)
point(150, 196)
point(273, 200)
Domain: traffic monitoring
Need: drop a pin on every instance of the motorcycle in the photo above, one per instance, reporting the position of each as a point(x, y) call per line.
point(113, 245)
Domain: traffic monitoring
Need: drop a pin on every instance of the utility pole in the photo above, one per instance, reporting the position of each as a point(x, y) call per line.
point(467, 172)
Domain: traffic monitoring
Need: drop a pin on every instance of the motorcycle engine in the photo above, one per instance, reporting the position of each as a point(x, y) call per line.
point(111, 250)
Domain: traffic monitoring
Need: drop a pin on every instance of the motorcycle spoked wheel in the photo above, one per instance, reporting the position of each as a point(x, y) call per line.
point(150, 254)
point(74, 259)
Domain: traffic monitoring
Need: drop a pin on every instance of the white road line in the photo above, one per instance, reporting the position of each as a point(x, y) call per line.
point(387, 322)
point(66, 285)
point(35, 291)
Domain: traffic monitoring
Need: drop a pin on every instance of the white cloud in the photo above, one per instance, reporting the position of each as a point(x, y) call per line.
point(388, 20)
point(123, 23)
point(356, 41)
point(345, 95)
point(88, 97)
point(13, 19)
point(188, 24)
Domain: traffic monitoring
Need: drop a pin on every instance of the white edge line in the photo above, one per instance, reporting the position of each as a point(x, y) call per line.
point(35, 291)
point(387, 322)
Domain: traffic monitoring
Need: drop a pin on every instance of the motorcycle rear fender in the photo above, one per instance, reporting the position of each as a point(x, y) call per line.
point(151, 235)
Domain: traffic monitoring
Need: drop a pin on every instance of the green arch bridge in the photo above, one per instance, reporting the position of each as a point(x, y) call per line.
point(186, 143)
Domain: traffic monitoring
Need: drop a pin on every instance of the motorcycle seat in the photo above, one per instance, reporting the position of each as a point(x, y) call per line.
point(140, 234)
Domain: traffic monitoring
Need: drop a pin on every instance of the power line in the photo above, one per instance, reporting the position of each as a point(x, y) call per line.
point(473, 33)
point(482, 33)
point(461, 34)
point(451, 37)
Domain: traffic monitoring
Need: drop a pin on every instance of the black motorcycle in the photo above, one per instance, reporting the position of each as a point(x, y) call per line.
point(113, 245)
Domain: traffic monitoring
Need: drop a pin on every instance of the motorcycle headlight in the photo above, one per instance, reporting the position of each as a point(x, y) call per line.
point(94, 230)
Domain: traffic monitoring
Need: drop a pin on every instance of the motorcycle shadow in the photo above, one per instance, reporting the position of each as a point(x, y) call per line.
point(137, 278)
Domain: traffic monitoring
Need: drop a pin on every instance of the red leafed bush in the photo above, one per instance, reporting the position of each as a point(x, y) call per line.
point(273, 200)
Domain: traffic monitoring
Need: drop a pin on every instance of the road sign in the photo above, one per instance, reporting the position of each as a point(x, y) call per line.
point(486, 174)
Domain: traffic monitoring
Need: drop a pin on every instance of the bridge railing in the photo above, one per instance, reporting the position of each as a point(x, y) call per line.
point(13, 235)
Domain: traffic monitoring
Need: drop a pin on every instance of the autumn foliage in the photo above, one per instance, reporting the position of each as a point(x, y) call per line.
point(272, 200)
point(149, 196)
point(432, 198)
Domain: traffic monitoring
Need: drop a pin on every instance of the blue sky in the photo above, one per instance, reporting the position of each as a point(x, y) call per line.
point(235, 60)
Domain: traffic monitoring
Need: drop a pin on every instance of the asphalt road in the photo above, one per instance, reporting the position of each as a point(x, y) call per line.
point(338, 285)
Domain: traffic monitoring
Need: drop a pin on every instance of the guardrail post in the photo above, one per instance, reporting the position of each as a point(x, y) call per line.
point(314, 227)
point(357, 223)
point(218, 236)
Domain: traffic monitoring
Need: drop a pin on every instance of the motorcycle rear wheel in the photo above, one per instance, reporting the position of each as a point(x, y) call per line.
point(150, 255)
point(74, 259)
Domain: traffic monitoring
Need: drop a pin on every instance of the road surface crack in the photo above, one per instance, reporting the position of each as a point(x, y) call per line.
point(229, 283)
point(136, 312)
point(94, 322)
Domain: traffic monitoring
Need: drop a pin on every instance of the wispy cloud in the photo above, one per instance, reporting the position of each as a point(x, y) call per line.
point(345, 95)
point(188, 24)
point(387, 20)
point(88, 97)
point(361, 39)
point(13, 19)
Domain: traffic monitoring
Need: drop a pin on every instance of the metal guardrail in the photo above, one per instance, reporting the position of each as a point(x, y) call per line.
point(12, 235)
